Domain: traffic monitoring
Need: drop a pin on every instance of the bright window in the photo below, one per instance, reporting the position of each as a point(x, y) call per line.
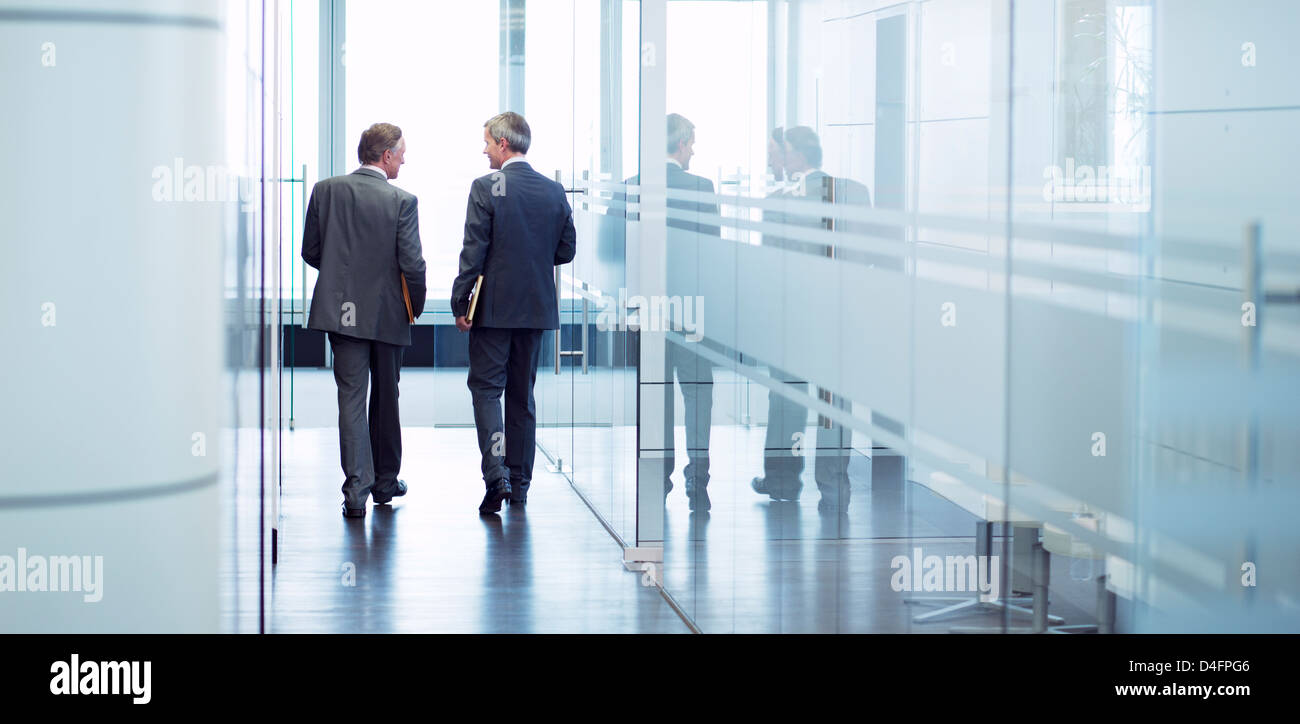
point(431, 68)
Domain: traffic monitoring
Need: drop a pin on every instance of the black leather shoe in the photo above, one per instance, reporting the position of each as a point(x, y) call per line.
point(493, 497)
point(396, 492)
point(518, 493)
point(697, 497)
point(776, 490)
point(353, 512)
point(834, 500)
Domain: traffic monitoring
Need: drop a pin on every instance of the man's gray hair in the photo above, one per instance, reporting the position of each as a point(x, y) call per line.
point(680, 131)
point(512, 127)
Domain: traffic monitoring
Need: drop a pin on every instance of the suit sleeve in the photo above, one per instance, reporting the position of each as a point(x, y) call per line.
point(709, 209)
point(473, 254)
point(410, 255)
point(311, 234)
point(568, 246)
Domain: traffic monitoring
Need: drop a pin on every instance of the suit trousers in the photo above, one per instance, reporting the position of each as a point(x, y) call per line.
point(783, 460)
point(370, 446)
point(504, 361)
point(695, 379)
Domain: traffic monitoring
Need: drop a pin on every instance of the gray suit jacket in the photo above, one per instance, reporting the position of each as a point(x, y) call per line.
point(842, 192)
point(362, 233)
point(518, 228)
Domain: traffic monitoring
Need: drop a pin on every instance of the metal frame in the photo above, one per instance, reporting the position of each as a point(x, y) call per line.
point(648, 276)
point(1010, 605)
point(510, 69)
point(333, 107)
point(333, 87)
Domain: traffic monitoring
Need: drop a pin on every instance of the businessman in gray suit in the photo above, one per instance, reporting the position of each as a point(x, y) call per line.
point(798, 157)
point(363, 235)
point(518, 227)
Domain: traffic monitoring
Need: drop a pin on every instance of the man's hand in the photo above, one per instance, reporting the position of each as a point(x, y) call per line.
point(463, 324)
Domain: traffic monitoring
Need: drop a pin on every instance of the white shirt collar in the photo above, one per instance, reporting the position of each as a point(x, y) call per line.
point(675, 162)
point(512, 159)
point(380, 170)
point(798, 182)
point(798, 176)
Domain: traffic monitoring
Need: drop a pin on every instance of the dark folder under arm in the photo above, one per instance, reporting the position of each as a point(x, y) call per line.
point(473, 299)
point(406, 297)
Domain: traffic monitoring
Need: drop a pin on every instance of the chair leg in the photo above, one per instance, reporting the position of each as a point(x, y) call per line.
point(1105, 607)
point(1042, 561)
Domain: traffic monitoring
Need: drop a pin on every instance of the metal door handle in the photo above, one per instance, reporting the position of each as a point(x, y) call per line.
point(570, 352)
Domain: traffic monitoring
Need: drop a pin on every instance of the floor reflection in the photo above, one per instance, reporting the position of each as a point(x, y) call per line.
point(430, 563)
point(754, 564)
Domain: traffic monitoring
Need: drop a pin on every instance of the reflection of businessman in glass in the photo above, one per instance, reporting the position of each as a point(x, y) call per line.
point(776, 155)
point(687, 220)
point(800, 156)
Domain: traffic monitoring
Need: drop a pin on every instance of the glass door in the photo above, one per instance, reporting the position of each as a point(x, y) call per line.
point(588, 136)
point(541, 35)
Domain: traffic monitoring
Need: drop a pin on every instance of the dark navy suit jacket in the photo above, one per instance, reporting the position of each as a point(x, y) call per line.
point(518, 228)
point(688, 221)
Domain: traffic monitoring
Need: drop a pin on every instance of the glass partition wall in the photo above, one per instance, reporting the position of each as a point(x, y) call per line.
point(580, 68)
point(998, 324)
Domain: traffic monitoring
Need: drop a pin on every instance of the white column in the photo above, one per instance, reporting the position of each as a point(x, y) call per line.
point(111, 290)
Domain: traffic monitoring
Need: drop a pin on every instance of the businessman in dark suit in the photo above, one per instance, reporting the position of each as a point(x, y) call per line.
point(518, 228)
point(363, 235)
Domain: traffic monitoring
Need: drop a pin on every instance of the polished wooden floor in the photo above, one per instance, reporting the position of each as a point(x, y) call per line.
point(430, 563)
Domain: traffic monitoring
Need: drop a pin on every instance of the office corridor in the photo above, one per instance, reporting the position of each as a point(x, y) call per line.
point(856, 309)
point(428, 563)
